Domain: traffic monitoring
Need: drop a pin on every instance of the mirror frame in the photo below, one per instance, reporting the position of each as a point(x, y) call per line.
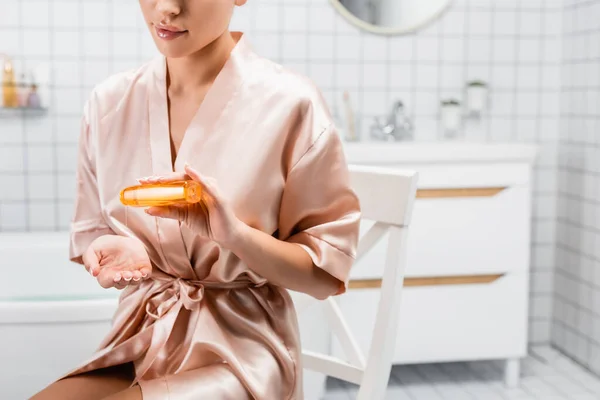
point(365, 26)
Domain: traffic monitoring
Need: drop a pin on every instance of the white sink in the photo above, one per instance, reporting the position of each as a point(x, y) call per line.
point(368, 152)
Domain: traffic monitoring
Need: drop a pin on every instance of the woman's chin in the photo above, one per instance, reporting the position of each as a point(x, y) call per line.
point(171, 51)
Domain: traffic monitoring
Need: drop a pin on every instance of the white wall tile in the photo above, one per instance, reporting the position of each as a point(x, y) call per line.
point(502, 103)
point(505, 22)
point(295, 18)
point(401, 75)
point(426, 103)
point(96, 44)
point(13, 216)
point(66, 186)
point(453, 22)
point(148, 47)
point(504, 50)
point(427, 49)
point(41, 187)
point(13, 187)
point(322, 18)
point(527, 103)
point(35, 14)
point(10, 15)
point(530, 23)
point(347, 48)
point(402, 48)
point(68, 129)
point(298, 51)
point(529, 50)
point(478, 50)
point(67, 45)
point(65, 213)
point(480, 22)
point(96, 14)
point(66, 13)
point(375, 49)
point(11, 159)
point(66, 160)
point(321, 47)
point(124, 13)
point(322, 75)
point(347, 75)
point(427, 76)
point(42, 216)
point(36, 43)
point(452, 76)
point(69, 101)
point(374, 103)
point(40, 159)
point(124, 43)
point(38, 131)
point(453, 49)
point(375, 76)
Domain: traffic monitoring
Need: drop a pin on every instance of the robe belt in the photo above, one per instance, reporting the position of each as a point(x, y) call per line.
point(164, 304)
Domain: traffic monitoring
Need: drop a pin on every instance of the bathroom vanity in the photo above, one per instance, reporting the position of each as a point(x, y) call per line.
point(467, 275)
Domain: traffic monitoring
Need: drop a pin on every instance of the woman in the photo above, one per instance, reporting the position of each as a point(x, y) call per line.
point(205, 312)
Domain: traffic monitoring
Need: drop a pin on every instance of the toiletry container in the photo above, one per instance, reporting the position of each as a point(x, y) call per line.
point(10, 96)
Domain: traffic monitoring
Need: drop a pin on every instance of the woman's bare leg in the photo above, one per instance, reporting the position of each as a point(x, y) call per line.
point(94, 385)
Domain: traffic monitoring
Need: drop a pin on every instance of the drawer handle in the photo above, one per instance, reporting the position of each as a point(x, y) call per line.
point(428, 281)
point(458, 192)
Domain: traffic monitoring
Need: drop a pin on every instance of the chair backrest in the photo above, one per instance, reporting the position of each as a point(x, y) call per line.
point(387, 197)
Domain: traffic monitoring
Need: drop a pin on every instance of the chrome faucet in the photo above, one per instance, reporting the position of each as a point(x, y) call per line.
point(397, 126)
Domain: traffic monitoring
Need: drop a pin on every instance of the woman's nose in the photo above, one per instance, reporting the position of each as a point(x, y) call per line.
point(168, 8)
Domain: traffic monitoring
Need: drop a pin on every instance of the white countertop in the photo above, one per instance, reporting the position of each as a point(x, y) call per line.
point(437, 152)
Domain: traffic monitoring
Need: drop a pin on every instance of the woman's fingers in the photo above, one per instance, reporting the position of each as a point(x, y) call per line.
point(90, 261)
point(171, 177)
point(209, 184)
point(172, 212)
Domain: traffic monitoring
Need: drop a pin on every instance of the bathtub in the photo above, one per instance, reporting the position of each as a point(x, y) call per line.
point(53, 315)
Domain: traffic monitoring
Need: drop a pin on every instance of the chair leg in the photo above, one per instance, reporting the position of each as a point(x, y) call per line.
point(512, 371)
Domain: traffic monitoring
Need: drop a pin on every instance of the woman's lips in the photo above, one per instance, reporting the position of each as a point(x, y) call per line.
point(168, 33)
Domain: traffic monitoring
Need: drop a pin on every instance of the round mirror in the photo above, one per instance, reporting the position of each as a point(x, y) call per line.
point(390, 16)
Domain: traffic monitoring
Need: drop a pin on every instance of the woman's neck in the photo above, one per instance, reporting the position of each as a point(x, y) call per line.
point(201, 68)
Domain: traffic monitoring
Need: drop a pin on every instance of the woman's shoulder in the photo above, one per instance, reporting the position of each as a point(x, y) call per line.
point(297, 91)
point(110, 93)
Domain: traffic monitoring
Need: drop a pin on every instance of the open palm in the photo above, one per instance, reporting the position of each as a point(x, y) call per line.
point(117, 261)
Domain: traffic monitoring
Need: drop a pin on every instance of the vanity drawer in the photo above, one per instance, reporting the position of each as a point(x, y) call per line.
point(460, 232)
point(447, 322)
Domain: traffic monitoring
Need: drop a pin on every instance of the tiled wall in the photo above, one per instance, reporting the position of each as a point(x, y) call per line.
point(576, 322)
point(512, 44)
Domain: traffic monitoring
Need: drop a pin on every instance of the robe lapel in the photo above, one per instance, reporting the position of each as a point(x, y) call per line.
point(216, 103)
point(202, 127)
point(172, 246)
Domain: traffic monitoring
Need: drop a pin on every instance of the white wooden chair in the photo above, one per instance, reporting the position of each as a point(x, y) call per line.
point(387, 197)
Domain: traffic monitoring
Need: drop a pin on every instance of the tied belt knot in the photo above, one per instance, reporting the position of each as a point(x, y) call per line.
point(164, 304)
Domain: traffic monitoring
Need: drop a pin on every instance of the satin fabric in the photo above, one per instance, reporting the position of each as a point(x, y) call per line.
point(205, 325)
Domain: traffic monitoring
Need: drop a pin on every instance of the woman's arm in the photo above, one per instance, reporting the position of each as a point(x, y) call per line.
point(284, 264)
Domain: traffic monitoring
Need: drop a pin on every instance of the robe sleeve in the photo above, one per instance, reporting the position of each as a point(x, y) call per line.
point(87, 222)
point(319, 211)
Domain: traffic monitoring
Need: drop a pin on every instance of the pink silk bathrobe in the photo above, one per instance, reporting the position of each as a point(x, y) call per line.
point(206, 326)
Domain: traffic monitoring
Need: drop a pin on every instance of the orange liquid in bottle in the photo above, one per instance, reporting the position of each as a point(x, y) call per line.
point(162, 194)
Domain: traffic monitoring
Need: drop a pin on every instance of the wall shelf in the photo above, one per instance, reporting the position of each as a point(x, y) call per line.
point(12, 112)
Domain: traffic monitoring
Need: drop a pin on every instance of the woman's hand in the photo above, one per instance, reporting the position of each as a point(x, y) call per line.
point(117, 261)
point(212, 217)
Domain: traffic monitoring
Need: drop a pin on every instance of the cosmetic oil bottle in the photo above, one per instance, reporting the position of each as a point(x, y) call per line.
point(162, 194)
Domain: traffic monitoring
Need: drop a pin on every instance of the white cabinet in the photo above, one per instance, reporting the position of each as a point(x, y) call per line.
point(467, 273)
